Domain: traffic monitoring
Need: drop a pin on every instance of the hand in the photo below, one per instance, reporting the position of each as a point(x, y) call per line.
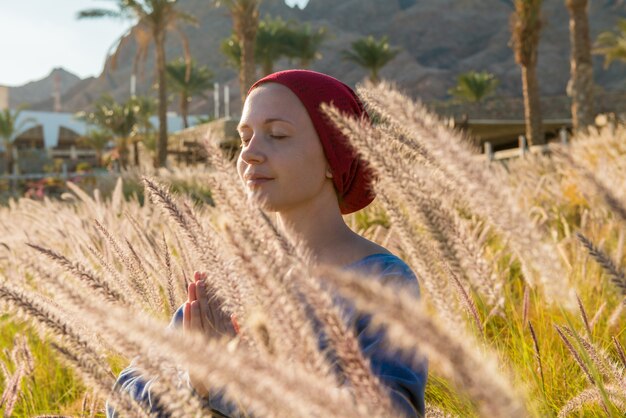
point(202, 313)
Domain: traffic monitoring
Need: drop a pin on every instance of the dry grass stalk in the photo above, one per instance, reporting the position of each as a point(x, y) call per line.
point(411, 328)
point(583, 315)
point(620, 351)
point(593, 396)
point(537, 354)
point(81, 272)
point(617, 275)
point(576, 355)
point(24, 365)
point(481, 187)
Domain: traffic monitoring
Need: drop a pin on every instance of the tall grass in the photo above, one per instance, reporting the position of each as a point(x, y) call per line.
point(520, 267)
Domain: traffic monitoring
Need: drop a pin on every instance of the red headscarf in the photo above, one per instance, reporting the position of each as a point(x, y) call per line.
point(351, 176)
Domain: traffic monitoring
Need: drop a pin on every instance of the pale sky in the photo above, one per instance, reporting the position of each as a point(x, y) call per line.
point(39, 35)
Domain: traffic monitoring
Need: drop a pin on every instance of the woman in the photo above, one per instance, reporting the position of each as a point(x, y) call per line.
point(303, 169)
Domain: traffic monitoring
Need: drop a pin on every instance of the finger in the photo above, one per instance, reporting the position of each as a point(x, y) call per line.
point(196, 275)
point(187, 317)
point(233, 320)
point(205, 312)
point(196, 321)
point(191, 292)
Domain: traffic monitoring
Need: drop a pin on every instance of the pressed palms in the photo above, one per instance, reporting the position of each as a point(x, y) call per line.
point(187, 85)
point(474, 86)
point(9, 130)
point(245, 15)
point(525, 28)
point(612, 44)
point(371, 54)
point(155, 18)
point(580, 87)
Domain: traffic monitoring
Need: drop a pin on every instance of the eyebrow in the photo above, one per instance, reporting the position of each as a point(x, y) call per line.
point(265, 122)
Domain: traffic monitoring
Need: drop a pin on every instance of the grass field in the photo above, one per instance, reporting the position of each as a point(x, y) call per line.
point(520, 269)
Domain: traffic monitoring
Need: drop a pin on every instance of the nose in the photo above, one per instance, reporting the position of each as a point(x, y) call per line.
point(253, 153)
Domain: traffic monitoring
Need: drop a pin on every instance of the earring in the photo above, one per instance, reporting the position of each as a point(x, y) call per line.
point(329, 175)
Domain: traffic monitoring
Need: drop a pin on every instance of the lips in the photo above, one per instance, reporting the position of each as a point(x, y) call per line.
point(255, 179)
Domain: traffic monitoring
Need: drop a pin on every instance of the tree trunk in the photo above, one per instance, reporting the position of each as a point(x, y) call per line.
point(184, 109)
point(268, 67)
point(532, 106)
point(580, 87)
point(159, 38)
point(246, 22)
point(136, 152)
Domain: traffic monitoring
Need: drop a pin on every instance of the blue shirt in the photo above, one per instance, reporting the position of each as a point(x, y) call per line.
point(406, 380)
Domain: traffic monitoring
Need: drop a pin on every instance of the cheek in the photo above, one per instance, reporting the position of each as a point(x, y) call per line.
point(241, 167)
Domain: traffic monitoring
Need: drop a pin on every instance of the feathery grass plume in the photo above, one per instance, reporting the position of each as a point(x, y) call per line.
point(81, 272)
point(615, 204)
point(575, 354)
point(23, 362)
point(100, 382)
point(171, 297)
point(137, 282)
point(583, 315)
point(435, 286)
point(593, 396)
point(616, 274)
point(482, 187)
point(286, 314)
point(438, 221)
point(125, 288)
point(229, 289)
point(266, 388)
point(409, 327)
point(537, 354)
point(367, 388)
point(434, 412)
point(609, 371)
point(405, 182)
point(620, 350)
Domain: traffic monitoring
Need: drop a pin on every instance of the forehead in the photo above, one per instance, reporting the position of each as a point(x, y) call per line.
point(273, 100)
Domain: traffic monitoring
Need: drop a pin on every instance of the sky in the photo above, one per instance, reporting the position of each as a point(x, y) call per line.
point(39, 35)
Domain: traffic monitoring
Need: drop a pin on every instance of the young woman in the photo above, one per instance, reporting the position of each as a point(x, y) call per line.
point(304, 170)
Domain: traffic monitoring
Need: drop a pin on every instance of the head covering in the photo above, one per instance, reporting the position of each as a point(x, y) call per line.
point(351, 175)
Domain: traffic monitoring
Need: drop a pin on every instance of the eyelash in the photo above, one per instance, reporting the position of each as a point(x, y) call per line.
point(245, 141)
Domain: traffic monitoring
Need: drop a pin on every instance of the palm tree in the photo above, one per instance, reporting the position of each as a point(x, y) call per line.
point(474, 86)
point(198, 81)
point(97, 140)
point(580, 87)
point(155, 18)
point(9, 130)
point(245, 15)
point(525, 29)
point(612, 44)
point(304, 44)
point(120, 120)
point(371, 54)
point(271, 42)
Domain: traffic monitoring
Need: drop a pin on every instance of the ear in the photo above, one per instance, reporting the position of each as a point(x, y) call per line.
point(329, 174)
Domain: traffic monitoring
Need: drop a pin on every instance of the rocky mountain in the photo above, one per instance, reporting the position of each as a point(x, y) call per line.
point(42, 90)
point(438, 39)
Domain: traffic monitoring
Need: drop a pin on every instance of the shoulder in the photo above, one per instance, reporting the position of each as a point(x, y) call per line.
point(177, 318)
point(389, 267)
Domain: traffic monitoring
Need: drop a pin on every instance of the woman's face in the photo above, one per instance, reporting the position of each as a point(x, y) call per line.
point(282, 163)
